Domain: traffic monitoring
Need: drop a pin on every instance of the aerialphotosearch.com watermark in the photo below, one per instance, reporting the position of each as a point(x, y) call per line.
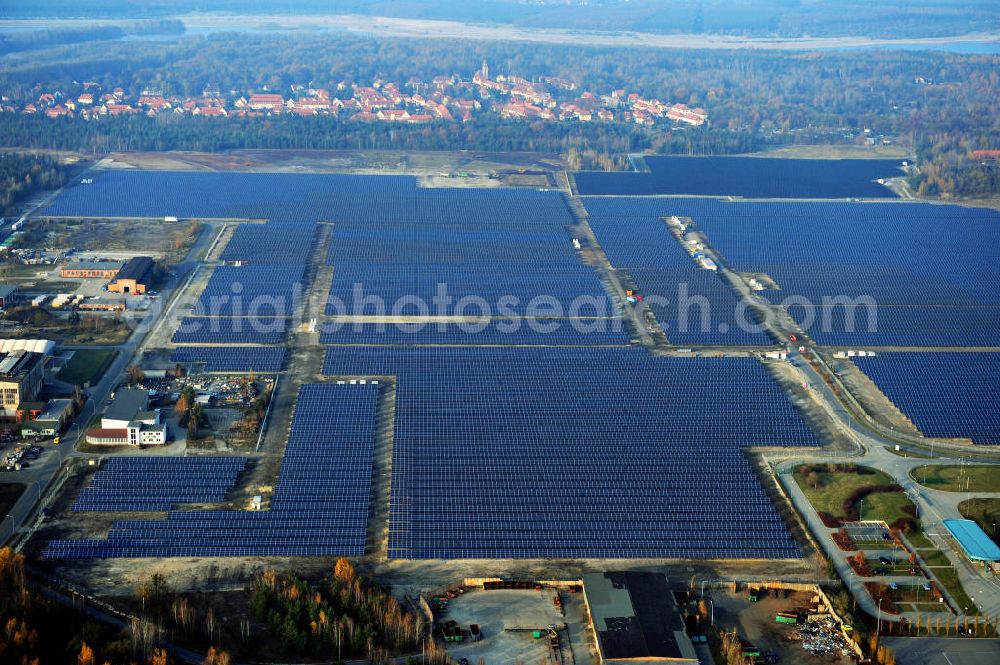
point(236, 312)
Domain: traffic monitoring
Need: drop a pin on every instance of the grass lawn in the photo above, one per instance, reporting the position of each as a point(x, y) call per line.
point(985, 512)
point(886, 506)
point(834, 487)
point(920, 541)
point(949, 580)
point(935, 558)
point(956, 478)
point(900, 567)
point(9, 494)
point(87, 366)
point(907, 453)
point(923, 608)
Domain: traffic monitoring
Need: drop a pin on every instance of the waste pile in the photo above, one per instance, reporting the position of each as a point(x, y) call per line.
point(823, 637)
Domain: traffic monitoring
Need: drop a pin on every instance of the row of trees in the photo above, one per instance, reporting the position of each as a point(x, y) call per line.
point(253, 415)
point(191, 413)
point(21, 175)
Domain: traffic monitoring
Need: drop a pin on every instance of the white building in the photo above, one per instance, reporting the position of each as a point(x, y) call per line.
point(128, 421)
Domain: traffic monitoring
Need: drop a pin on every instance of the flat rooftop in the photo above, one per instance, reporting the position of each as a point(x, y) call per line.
point(977, 545)
point(635, 617)
point(128, 402)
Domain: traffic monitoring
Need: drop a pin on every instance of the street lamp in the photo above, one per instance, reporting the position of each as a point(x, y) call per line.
point(878, 627)
point(861, 509)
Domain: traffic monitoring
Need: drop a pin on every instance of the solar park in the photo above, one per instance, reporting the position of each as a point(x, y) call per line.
point(515, 442)
point(319, 506)
point(961, 401)
point(594, 455)
point(750, 177)
point(913, 260)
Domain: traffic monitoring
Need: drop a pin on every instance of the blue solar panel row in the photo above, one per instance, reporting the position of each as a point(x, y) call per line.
point(577, 452)
point(280, 197)
point(232, 359)
point(231, 330)
point(152, 484)
point(254, 290)
point(512, 332)
point(267, 286)
point(482, 207)
point(505, 290)
point(921, 265)
point(319, 506)
point(271, 243)
point(477, 245)
point(946, 395)
point(750, 177)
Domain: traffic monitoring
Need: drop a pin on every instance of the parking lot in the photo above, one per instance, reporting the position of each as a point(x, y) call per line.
point(944, 651)
point(867, 532)
point(508, 619)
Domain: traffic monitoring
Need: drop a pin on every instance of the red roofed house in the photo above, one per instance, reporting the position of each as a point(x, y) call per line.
point(394, 115)
point(269, 102)
point(681, 113)
point(986, 155)
point(155, 103)
point(119, 109)
point(57, 112)
point(85, 98)
point(210, 111)
point(310, 104)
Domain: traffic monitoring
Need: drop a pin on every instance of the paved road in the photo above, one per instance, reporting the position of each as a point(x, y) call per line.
point(934, 505)
point(944, 651)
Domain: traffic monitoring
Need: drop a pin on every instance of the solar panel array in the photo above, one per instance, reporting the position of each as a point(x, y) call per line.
point(153, 484)
point(578, 452)
point(231, 330)
point(750, 177)
point(481, 244)
point(498, 332)
point(692, 305)
point(319, 506)
point(946, 395)
point(231, 359)
point(254, 290)
point(246, 304)
point(929, 269)
point(284, 244)
point(281, 197)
